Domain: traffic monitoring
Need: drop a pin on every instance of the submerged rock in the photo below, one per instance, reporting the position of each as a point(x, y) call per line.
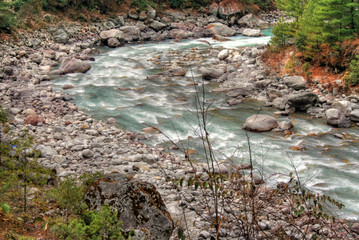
point(138, 204)
point(260, 123)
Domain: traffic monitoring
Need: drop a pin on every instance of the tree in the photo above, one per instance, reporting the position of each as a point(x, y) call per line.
point(7, 18)
point(293, 8)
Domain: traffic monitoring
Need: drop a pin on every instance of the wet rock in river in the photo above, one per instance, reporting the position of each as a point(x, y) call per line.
point(260, 123)
point(337, 118)
point(221, 29)
point(72, 65)
point(211, 73)
point(251, 32)
point(302, 100)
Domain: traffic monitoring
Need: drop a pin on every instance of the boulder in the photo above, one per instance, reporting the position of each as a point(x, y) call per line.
point(60, 36)
point(260, 123)
point(73, 65)
point(87, 153)
point(345, 106)
point(295, 82)
point(221, 29)
point(132, 33)
point(28, 112)
point(36, 58)
point(113, 43)
point(302, 101)
point(335, 117)
point(273, 93)
point(139, 205)
point(228, 9)
point(157, 26)
point(223, 54)
point(243, 89)
point(151, 13)
point(34, 120)
point(120, 20)
point(262, 84)
point(250, 21)
point(112, 33)
point(47, 151)
point(180, 34)
point(211, 73)
point(284, 125)
point(354, 115)
point(249, 32)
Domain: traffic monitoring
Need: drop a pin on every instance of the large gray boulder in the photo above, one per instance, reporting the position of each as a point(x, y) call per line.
point(354, 115)
point(73, 65)
point(112, 33)
point(139, 205)
point(211, 73)
point(345, 106)
point(302, 101)
point(46, 151)
point(295, 82)
point(221, 29)
point(260, 123)
point(337, 118)
point(60, 36)
point(249, 32)
point(132, 33)
point(157, 26)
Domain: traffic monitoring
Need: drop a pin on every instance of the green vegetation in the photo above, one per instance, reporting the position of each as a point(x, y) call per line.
point(353, 77)
point(318, 30)
point(7, 18)
point(21, 176)
point(320, 22)
point(97, 225)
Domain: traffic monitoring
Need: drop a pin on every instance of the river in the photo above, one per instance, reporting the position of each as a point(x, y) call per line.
point(121, 85)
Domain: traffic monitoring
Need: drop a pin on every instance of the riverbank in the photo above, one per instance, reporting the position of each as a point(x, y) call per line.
point(72, 142)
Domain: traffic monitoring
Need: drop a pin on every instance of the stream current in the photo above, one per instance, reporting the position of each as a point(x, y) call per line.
point(122, 84)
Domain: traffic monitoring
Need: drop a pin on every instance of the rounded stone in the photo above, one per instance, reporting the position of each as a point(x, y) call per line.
point(87, 153)
point(260, 123)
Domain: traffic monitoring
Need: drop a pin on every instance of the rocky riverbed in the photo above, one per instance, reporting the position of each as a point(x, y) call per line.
point(72, 142)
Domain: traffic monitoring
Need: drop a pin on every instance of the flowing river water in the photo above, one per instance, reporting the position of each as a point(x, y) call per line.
point(122, 85)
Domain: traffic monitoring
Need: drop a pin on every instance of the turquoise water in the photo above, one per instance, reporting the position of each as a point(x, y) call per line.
point(123, 84)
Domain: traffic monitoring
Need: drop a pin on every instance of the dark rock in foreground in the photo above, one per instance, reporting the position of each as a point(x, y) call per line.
point(139, 205)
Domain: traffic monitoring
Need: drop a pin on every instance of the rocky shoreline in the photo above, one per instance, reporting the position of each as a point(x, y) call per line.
point(72, 142)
